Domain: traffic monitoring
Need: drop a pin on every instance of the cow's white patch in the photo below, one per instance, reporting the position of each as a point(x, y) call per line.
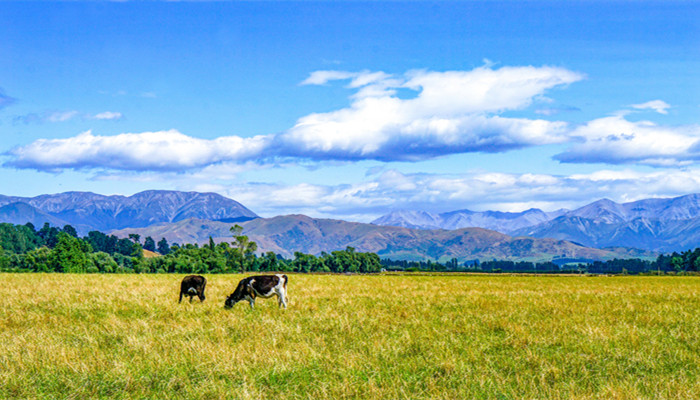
point(278, 290)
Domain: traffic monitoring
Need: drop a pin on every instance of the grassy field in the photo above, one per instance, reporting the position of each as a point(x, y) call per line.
point(371, 337)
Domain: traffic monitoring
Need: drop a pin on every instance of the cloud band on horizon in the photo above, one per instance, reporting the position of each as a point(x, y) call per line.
point(477, 191)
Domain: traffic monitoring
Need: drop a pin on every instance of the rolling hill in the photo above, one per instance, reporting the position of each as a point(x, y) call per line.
point(291, 233)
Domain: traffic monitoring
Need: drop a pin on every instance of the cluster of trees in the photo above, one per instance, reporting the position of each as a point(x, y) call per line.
point(427, 265)
point(50, 249)
point(688, 261)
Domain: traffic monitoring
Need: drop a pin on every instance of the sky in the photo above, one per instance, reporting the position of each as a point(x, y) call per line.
point(351, 110)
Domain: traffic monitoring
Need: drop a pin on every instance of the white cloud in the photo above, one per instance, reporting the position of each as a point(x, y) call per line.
point(160, 151)
point(550, 111)
point(451, 112)
point(659, 106)
point(47, 116)
point(108, 115)
point(616, 140)
point(323, 77)
point(63, 116)
point(483, 89)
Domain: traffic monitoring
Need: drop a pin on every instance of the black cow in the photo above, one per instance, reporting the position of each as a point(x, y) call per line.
point(193, 285)
point(262, 285)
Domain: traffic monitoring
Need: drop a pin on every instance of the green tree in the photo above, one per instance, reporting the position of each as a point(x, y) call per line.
point(38, 260)
point(163, 247)
point(677, 263)
point(70, 230)
point(49, 235)
point(135, 237)
point(244, 245)
point(124, 247)
point(149, 244)
point(70, 254)
point(136, 251)
point(4, 260)
point(103, 262)
point(18, 238)
point(302, 262)
point(269, 262)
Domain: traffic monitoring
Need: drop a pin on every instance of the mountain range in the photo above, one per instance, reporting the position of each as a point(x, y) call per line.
point(600, 230)
point(652, 224)
point(87, 211)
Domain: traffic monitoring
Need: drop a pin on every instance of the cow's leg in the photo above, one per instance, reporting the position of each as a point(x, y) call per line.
point(282, 294)
point(180, 301)
point(190, 298)
point(252, 303)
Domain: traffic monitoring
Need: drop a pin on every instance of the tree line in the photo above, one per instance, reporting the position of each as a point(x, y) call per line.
point(687, 261)
point(52, 249)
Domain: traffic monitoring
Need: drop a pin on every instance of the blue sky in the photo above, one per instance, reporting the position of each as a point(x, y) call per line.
point(353, 109)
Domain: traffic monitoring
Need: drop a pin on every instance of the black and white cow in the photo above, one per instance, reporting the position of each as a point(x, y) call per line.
point(259, 286)
point(193, 285)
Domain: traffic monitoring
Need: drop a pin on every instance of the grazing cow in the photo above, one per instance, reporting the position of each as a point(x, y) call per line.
point(193, 285)
point(262, 285)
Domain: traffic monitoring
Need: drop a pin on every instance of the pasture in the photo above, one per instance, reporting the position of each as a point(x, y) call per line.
point(346, 337)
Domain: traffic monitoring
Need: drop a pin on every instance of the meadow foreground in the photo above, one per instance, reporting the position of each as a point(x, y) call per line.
point(378, 337)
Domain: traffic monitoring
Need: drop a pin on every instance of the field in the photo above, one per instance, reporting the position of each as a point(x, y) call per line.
point(371, 337)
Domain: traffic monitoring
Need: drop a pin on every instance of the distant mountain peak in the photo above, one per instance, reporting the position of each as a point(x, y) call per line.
point(652, 224)
point(494, 220)
point(92, 211)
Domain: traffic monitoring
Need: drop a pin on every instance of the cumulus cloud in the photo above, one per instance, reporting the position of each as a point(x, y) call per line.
point(450, 112)
point(616, 140)
point(659, 106)
point(159, 151)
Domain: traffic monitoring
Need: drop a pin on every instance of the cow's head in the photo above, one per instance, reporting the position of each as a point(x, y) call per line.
point(242, 291)
point(231, 301)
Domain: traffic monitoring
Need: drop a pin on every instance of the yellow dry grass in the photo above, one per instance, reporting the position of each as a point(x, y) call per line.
point(370, 337)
